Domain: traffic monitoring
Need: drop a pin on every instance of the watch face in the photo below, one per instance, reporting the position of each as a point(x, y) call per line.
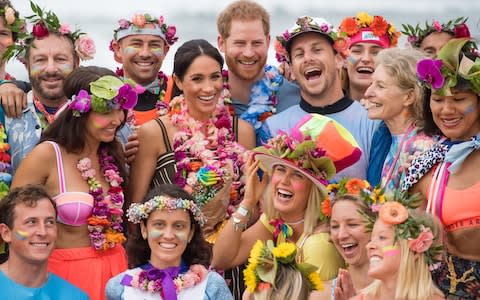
point(242, 211)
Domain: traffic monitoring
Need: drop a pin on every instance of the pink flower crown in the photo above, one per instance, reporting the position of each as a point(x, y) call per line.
point(107, 92)
point(138, 25)
point(415, 35)
point(140, 211)
point(44, 23)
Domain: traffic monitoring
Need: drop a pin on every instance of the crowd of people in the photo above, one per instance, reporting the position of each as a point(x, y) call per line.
point(348, 171)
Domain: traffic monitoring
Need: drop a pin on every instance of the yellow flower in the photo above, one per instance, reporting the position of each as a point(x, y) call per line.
point(391, 29)
point(332, 187)
point(315, 280)
point(255, 254)
point(285, 251)
point(382, 199)
point(250, 278)
point(364, 19)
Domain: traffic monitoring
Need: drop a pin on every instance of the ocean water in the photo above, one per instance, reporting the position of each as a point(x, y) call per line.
point(197, 18)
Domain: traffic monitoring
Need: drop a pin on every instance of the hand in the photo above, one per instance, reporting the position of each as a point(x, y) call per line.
point(13, 99)
point(284, 69)
point(131, 147)
point(344, 288)
point(254, 187)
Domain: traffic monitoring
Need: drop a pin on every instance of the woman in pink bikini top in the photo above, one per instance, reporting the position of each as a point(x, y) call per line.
point(81, 164)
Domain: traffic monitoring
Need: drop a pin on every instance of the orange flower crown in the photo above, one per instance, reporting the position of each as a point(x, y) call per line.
point(369, 29)
point(417, 228)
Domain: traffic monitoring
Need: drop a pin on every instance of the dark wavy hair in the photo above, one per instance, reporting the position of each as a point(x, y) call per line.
point(69, 131)
point(198, 251)
point(187, 53)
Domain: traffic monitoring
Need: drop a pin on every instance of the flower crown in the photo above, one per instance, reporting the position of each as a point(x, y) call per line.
point(140, 211)
point(373, 197)
point(415, 35)
point(304, 24)
point(443, 73)
point(46, 22)
point(260, 272)
point(417, 229)
point(302, 153)
point(137, 26)
point(13, 22)
point(107, 92)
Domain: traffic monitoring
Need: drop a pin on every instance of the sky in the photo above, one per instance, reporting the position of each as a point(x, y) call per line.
point(197, 18)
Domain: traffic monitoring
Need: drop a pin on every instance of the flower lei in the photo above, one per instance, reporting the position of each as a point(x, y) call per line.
point(5, 176)
point(105, 224)
point(46, 22)
point(263, 99)
point(148, 280)
point(415, 35)
point(260, 272)
point(202, 158)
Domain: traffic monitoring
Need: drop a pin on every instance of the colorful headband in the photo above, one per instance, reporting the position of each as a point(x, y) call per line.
point(140, 211)
point(261, 270)
point(369, 29)
point(303, 25)
point(417, 230)
point(107, 92)
point(415, 35)
point(44, 23)
point(138, 25)
point(443, 73)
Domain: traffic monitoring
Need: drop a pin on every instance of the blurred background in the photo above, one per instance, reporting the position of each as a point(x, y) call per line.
point(197, 18)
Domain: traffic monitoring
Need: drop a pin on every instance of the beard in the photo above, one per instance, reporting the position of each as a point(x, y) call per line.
point(55, 94)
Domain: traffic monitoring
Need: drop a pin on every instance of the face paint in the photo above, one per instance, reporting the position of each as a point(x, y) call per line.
point(157, 51)
point(182, 236)
point(351, 60)
point(65, 69)
point(130, 50)
point(21, 235)
point(390, 251)
point(470, 109)
point(155, 234)
point(100, 121)
point(35, 70)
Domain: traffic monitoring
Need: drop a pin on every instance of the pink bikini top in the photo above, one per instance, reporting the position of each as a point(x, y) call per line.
point(73, 208)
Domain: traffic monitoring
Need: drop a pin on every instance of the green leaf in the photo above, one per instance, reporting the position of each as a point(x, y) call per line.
point(267, 272)
point(106, 87)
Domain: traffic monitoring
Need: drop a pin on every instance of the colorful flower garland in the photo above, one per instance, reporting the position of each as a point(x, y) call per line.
point(105, 224)
point(260, 272)
point(202, 156)
point(5, 176)
point(415, 35)
point(140, 20)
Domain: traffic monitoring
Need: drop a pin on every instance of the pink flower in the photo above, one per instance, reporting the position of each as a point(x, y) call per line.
point(88, 174)
point(188, 280)
point(161, 20)
point(461, 31)
point(85, 47)
point(9, 15)
point(437, 26)
point(171, 30)
point(39, 30)
point(124, 24)
point(412, 39)
point(139, 20)
point(423, 242)
point(200, 270)
point(64, 29)
point(84, 164)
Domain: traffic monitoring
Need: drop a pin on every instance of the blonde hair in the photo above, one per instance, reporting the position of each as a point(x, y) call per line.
point(315, 198)
point(401, 65)
point(244, 10)
point(289, 284)
point(414, 280)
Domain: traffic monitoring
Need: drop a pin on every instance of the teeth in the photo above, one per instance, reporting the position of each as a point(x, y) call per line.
point(168, 245)
point(206, 98)
point(39, 244)
point(243, 62)
point(285, 192)
point(348, 245)
point(312, 73)
point(365, 70)
point(375, 260)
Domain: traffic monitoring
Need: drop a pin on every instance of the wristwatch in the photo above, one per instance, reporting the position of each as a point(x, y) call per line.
point(243, 211)
point(238, 224)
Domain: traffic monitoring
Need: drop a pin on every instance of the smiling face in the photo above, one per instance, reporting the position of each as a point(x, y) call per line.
point(201, 85)
point(291, 190)
point(383, 254)
point(49, 62)
point(315, 67)
point(168, 233)
point(433, 42)
point(33, 234)
point(141, 56)
point(386, 99)
point(456, 116)
point(102, 127)
point(361, 64)
point(348, 232)
point(245, 49)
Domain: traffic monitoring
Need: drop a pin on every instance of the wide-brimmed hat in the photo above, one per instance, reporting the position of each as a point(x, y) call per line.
point(317, 146)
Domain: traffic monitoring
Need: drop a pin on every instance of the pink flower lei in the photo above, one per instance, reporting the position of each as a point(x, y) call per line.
point(105, 224)
point(202, 159)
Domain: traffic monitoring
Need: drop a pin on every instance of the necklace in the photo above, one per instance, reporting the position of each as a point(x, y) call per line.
point(105, 224)
point(203, 151)
point(296, 223)
point(263, 100)
point(49, 118)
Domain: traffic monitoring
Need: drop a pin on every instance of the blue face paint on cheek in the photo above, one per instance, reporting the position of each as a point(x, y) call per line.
point(65, 69)
point(469, 109)
point(182, 236)
point(351, 60)
point(21, 235)
point(155, 234)
point(130, 50)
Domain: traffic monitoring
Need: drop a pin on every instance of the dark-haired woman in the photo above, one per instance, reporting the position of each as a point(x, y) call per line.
point(167, 251)
point(195, 146)
point(81, 165)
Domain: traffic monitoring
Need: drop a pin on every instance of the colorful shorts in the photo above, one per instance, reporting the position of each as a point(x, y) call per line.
point(458, 278)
